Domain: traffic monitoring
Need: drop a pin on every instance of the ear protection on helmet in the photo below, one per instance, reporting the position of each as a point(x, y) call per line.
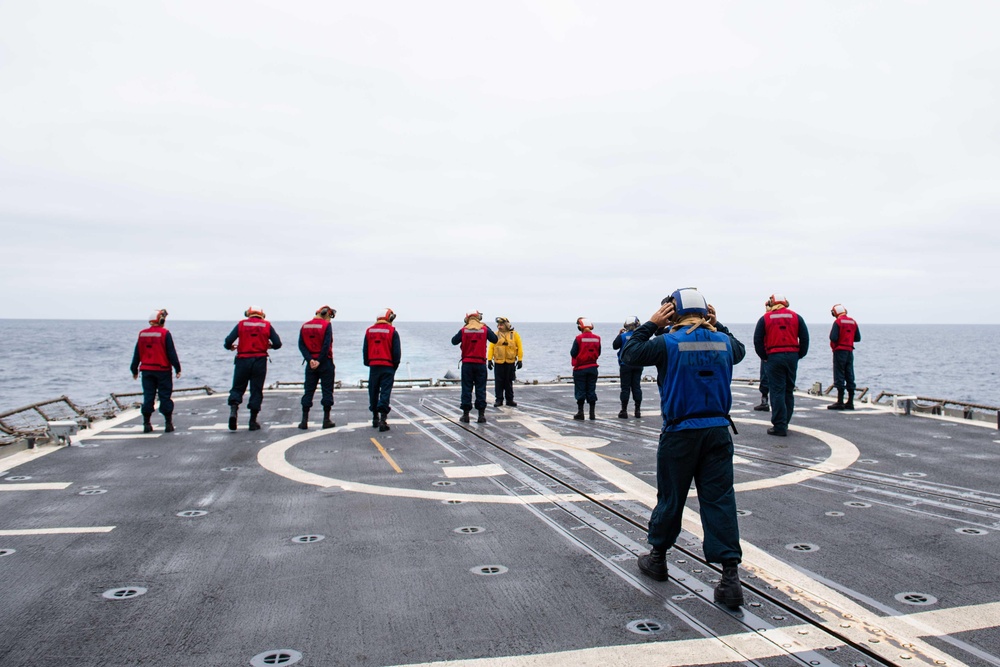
point(775, 299)
point(502, 320)
point(254, 311)
point(631, 323)
point(689, 301)
point(387, 315)
point(583, 323)
point(838, 310)
point(326, 310)
point(473, 315)
point(158, 317)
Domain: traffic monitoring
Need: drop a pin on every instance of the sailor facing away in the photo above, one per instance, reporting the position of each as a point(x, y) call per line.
point(382, 353)
point(843, 335)
point(255, 336)
point(473, 338)
point(781, 339)
point(629, 376)
point(505, 358)
point(316, 346)
point(583, 355)
point(154, 356)
point(695, 359)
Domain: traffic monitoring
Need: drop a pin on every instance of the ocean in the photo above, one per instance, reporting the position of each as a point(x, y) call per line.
point(88, 359)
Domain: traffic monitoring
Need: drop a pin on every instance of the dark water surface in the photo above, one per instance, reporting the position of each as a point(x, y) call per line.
point(86, 360)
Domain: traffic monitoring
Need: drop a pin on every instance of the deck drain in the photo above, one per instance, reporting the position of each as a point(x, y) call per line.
point(148, 456)
point(187, 513)
point(18, 478)
point(971, 531)
point(802, 547)
point(90, 486)
point(942, 437)
point(281, 656)
point(857, 503)
point(918, 599)
point(92, 492)
point(452, 501)
point(230, 469)
point(914, 474)
point(906, 455)
point(442, 483)
point(835, 514)
point(488, 570)
point(648, 473)
point(307, 539)
point(329, 451)
point(7, 552)
point(743, 512)
point(867, 460)
point(125, 593)
point(469, 530)
point(646, 626)
point(443, 462)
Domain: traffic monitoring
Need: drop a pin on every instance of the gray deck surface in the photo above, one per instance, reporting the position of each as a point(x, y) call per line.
point(892, 539)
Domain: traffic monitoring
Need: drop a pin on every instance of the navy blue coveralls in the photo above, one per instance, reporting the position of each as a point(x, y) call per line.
point(324, 374)
point(781, 369)
point(630, 376)
point(381, 378)
point(157, 382)
point(695, 444)
point(252, 370)
point(474, 374)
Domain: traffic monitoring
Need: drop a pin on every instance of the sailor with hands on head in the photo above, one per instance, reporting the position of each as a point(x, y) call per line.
point(473, 337)
point(316, 346)
point(630, 377)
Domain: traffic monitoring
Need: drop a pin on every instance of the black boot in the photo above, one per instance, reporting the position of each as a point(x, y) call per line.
point(593, 413)
point(465, 416)
point(624, 411)
point(254, 426)
point(850, 401)
point(839, 405)
point(168, 427)
point(233, 414)
point(497, 403)
point(763, 407)
point(304, 424)
point(146, 426)
point(654, 564)
point(579, 412)
point(637, 413)
point(383, 425)
point(729, 592)
point(482, 416)
point(375, 420)
point(326, 418)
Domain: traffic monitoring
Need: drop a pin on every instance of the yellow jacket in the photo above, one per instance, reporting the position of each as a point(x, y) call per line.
point(507, 349)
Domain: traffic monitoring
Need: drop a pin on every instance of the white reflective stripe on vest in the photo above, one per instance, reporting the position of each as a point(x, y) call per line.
point(313, 326)
point(701, 346)
point(776, 316)
point(151, 334)
point(379, 330)
point(254, 324)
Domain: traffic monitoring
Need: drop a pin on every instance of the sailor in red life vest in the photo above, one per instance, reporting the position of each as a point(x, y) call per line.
point(843, 335)
point(473, 338)
point(781, 339)
point(154, 356)
point(316, 346)
point(255, 336)
point(381, 353)
point(584, 353)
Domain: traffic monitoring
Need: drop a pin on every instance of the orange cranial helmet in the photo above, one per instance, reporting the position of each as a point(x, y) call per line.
point(254, 311)
point(387, 315)
point(326, 310)
point(473, 315)
point(776, 299)
point(582, 323)
point(838, 310)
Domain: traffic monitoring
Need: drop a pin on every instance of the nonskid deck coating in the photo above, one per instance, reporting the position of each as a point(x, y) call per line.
point(888, 520)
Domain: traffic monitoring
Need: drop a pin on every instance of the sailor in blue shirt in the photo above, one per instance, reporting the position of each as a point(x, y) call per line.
point(695, 359)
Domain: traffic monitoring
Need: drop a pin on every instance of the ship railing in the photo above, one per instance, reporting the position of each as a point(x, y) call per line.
point(404, 382)
point(125, 405)
point(941, 406)
point(610, 379)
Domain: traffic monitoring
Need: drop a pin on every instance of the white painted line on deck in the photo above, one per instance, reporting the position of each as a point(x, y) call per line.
point(488, 470)
point(58, 531)
point(138, 436)
point(41, 486)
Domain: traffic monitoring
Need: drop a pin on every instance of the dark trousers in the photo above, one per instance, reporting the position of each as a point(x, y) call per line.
point(843, 370)
point(631, 379)
point(153, 383)
point(474, 375)
point(706, 456)
point(324, 376)
point(380, 380)
point(764, 386)
point(781, 369)
point(252, 370)
point(503, 382)
point(585, 385)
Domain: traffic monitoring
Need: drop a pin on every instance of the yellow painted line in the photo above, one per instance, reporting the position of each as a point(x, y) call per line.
point(386, 455)
point(58, 531)
point(46, 486)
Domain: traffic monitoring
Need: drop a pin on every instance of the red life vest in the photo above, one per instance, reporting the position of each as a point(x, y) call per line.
point(379, 338)
point(153, 350)
point(781, 331)
point(313, 333)
point(254, 335)
point(474, 346)
point(848, 328)
point(588, 350)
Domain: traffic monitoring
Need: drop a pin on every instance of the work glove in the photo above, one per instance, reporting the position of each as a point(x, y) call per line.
point(519, 365)
point(489, 364)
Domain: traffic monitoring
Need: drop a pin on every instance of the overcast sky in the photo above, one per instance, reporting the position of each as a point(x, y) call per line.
point(541, 160)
